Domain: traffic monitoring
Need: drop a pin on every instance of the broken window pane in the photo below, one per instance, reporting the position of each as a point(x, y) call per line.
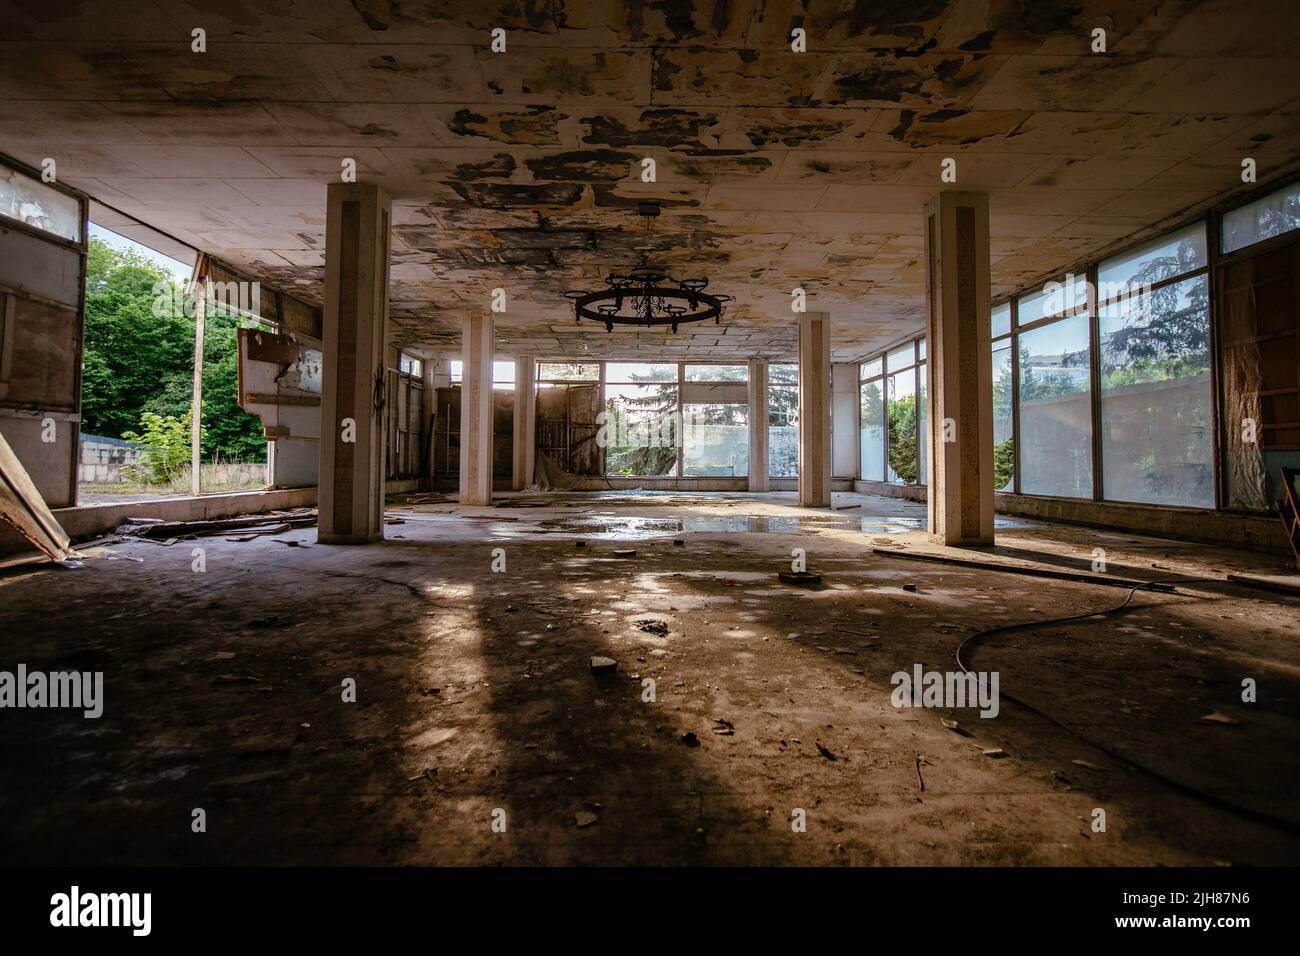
point(35, 204)
point(904, 466)
point(1157, 437)
point(639, 430)
point(1056, 409)
point(783, 421)
point(568, 371)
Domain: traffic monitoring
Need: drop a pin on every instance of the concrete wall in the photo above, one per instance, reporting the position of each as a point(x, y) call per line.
point(40, 358)
point(105, 460)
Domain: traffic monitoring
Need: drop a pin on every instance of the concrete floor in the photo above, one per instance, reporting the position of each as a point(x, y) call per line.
point(475, 693)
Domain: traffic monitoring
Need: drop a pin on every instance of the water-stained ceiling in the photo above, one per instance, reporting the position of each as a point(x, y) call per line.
point(774, 169)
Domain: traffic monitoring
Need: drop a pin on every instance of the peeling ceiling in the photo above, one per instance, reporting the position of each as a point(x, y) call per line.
point(774, 169)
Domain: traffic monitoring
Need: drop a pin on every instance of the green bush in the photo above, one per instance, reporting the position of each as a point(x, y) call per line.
point(167, 447)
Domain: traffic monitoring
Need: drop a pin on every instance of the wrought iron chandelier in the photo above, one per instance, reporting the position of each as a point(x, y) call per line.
point(648, 298)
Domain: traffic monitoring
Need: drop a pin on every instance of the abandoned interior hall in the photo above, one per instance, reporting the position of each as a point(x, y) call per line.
point(650, 433)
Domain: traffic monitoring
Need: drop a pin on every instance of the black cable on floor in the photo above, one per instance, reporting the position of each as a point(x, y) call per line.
point(1218, 802)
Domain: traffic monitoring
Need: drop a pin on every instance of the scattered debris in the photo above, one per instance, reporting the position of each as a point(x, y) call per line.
point(1088, 766)
point(800, 578)
point(652, 626)
point(679, 542)
point(955, 727)
point(724, 728)
point(603, 665)
point(584, 818)
point(919, 779)
point(689, 739)
point(824, 752)
point(238, 679)
point(997, 753)
point(909, 587)
point(169, 532)
point(625, 553)
point(1218, 718)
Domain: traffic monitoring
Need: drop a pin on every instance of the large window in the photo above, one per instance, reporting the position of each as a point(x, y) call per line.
point(1055, 408)
point(715, 439)
point(640, 418)
point(904, 460)
point(892, 416)
point(783, 421)
point(1004, 436)
point(1157, 437)
point(1148, 386)
point(35, 204)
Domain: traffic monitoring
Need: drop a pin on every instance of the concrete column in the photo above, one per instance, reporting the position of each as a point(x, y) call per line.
point(525, 456)
point(815, 410)
point(844, 419)
point(758, 424)
point(960, 396)
point(351, 497)
point(476, 410)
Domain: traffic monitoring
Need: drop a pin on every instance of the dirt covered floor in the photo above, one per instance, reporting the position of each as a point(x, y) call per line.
point(480, 734)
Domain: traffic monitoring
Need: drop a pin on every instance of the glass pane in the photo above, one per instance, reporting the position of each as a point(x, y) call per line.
point(903, 462)
point(715, 440)
point(871, 423)
point(503, 374)
point(871, 369)
point(641, 372)
point(922, 423)
point(1157, 437)
point(1056, 410)
point(717, 373)
point(1057, 298)
point(35, 204)
point(455, 369)
point(1162, 258)
point(1262, 219)
point(569, 371)
point(1001, 319)
point(783, 374)
point(901, 358)
point(638, 429)
point(920, 349)
point(783, 429)
point(1004, 455)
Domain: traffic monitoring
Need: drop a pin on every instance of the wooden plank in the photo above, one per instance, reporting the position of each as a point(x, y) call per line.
point(23, 507)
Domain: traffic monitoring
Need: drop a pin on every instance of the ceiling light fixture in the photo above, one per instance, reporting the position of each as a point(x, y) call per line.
point(648, 298)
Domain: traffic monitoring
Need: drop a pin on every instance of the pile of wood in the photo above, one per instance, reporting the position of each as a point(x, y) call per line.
point(242, 528)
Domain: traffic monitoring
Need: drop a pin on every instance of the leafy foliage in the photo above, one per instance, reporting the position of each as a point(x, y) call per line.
point(167, 447)
point(140, 359)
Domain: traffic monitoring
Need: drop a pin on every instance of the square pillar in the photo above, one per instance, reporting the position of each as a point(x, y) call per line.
point(476, 410)
point(815, 410)
point(758, 424)
point(351, 490)
point(525, 456)
point(844, 420)
point(960, 394)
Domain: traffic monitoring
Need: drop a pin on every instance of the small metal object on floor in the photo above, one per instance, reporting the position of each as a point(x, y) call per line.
point(625, 553)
